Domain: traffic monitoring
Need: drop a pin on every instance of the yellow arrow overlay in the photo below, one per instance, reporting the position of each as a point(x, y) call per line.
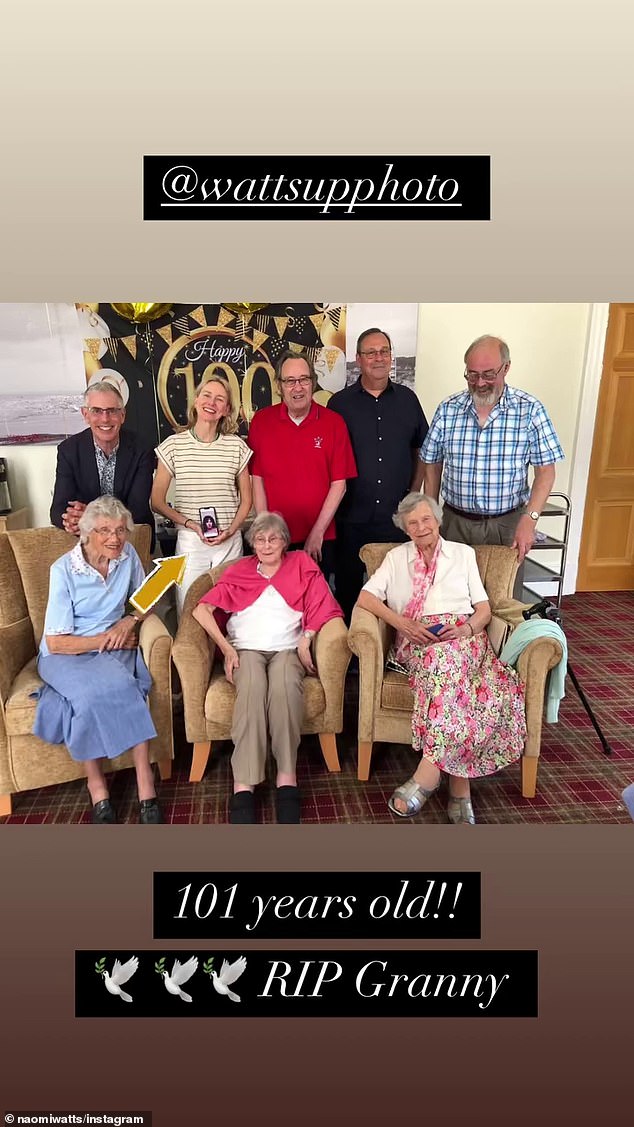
point(167, 571)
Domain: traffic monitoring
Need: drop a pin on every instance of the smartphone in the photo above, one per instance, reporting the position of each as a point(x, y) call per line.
point(437, 628)
point(209, 522)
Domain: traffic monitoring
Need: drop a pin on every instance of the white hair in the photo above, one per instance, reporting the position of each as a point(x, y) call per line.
point(411, 502)
point(103, 385)
point(108, 508)
point(265, 521)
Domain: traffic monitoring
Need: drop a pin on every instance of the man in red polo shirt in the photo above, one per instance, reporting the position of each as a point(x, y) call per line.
point(302, 455)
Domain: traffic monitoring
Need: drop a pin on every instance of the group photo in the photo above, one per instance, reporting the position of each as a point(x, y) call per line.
point(316, 563)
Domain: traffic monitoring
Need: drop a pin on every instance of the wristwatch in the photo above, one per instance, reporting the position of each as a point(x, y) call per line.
point(534, 515)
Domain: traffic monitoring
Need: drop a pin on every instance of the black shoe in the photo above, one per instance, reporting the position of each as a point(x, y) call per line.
point(150, 812)
point(288, 806)
point(104, 813)
point(242, 808)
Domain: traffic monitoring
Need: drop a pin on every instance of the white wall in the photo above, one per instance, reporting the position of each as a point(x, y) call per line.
point(31, 475)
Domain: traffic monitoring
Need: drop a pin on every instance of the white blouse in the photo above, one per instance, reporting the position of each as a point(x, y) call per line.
point(268, 624)
point(455, 590)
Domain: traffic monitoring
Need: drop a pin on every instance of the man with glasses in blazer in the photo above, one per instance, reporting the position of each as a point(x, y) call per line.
point(102, 460)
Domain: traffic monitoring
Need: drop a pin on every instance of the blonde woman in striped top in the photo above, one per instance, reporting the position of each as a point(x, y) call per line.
point(208, 464)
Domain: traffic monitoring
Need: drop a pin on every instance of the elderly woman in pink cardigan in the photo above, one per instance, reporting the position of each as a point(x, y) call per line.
point(272, 603)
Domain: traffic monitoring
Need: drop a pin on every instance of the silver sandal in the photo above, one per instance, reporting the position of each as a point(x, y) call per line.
point(413, 795)
point(460, 811)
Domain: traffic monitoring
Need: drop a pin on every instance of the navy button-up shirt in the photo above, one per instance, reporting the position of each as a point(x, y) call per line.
point(386, 431)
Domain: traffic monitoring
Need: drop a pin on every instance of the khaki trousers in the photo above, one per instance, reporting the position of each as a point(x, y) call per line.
point(489, 530)
point(269, 701)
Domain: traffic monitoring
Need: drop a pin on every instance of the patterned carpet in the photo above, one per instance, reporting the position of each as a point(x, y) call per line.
point(576, 782)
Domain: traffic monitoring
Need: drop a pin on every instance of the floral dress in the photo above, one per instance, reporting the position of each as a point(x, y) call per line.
point(468, 716)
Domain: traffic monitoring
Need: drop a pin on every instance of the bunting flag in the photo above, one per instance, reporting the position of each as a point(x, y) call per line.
point(334, 315)
point(331, 355)
point(259, 339)
point(295, 347)
point(317, 320)
point(313, 353)
point(224, 318)
point(112, 344)
point(166, 334)
point(198, 315)
point(130, 343)
point(182, 324)
point(93, 346)
point(281, 324)
point(242, 323)
point(263, 321)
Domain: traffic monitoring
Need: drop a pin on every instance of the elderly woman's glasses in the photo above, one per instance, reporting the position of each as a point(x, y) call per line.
point(104, 412)
point(260, 540)
point(104, 533)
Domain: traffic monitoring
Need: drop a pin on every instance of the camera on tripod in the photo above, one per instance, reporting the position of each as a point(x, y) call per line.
point(544, 610)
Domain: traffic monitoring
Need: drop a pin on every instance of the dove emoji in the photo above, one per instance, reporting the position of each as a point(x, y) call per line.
point(120, 974)
point(181, 972)
point(229, 973)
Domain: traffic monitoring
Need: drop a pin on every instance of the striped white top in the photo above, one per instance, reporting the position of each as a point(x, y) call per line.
point(205, 473)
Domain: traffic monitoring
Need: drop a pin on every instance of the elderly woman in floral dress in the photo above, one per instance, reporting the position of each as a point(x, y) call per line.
point(468, 717)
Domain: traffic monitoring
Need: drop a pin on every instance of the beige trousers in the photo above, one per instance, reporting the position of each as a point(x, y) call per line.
point(269, 701)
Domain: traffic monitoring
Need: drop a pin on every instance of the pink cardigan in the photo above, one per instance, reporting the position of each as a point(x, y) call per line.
point(299, 581)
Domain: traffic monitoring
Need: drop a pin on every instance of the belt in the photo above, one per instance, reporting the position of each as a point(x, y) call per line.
point(481, 516)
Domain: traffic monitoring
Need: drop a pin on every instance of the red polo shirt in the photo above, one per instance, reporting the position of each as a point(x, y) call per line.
point(298, 463)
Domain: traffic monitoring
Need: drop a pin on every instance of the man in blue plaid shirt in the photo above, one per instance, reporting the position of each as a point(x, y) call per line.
point(480, 445)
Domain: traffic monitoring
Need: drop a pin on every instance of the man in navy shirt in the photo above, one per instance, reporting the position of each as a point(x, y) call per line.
point(387, 427)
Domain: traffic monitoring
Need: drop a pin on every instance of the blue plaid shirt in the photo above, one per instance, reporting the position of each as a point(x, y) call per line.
point(485, 468)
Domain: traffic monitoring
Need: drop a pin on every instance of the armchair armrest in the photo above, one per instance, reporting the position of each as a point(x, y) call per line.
point(533, 666)
point(17, 647)
point(369, 639)
point(332, 658)
point(155, 643)
point(509, 611)
point(193, 654)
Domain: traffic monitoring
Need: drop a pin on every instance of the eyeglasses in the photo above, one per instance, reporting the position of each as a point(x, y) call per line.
point(103, 412)
point(375, 353)
point(104, 533)
point(487, 377)
point(301, 381)
point(261, 540)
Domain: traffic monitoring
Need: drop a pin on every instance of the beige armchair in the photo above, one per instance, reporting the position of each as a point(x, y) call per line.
point(208, 698)
point(385, 698)
point(27, 762)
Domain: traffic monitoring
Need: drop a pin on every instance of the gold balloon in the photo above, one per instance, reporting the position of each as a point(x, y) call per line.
point(242, 307)
point(140, 312)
